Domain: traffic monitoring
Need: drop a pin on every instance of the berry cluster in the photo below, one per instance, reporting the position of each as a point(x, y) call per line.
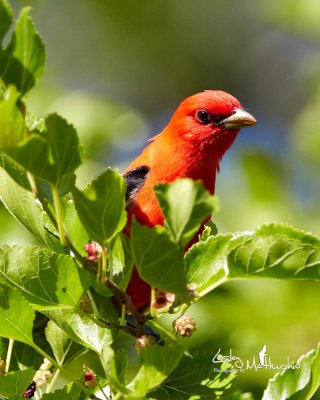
point(94, 251)
point(184, 326)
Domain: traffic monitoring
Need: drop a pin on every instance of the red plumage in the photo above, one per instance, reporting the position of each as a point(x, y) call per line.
point(201, 130)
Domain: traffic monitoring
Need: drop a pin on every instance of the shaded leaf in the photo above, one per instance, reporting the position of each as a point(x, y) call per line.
point(115, 365)
point(158, 259)
point(186, 204)
point(15, 383)
point(157, 364)
point(195, 377)
point(6, 17)
point(59, 395)
point(22, 63)
point(100, 206)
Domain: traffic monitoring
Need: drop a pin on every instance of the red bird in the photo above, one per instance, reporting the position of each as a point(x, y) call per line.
point(201, 130)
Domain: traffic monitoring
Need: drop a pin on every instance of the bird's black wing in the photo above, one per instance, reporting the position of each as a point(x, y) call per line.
point(134, 180)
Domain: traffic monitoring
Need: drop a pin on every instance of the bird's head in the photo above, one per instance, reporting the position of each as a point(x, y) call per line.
point(210, 117)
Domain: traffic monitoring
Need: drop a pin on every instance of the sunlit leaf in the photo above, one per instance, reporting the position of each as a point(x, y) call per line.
point(14, 323)
point(159, 260)
point(186, 205)
point(23, 206)
point(12, 125)
point(81, 328)
point(299, 383)
point(272, 251)
point(100, 206)
point(52, 156)
point(46, 279)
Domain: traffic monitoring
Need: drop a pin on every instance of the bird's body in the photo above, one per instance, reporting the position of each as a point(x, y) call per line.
point(201, 130)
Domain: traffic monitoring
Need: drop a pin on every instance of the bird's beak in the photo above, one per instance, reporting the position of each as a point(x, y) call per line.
point(239, 119)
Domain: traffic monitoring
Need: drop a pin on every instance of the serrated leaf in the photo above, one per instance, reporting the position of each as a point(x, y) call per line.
point(185, 204)
point(194, 378)
point(52, 156)
point(101, 204)
point(271, 251)
point(158, 259)
point(12, 125)
point(46, 279)
point(296, 383)
point(14, 323)
point(157, 364)
point(22, 62)
point(81, 328)
point(15, 383)
point(23, 206)
point(6, 17)
point(276, 251)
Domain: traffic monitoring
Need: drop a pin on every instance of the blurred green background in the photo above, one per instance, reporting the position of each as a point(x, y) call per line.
point(117, 71)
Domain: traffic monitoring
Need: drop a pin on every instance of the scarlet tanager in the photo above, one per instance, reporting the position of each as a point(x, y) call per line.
point(201, 130)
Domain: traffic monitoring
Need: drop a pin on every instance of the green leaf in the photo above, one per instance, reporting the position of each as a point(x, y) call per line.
point(81, 328)
point(14, 323)
point(24, 356)
point(159, 260)
point(46, 279)
point(74, 227)
point(122, 262)
point(53, 155)
point(157, 364)
point(12, 125)
point(296, 383)
point(101, 206)
point(59, 341)
point(23, 60)
point(186, 205)
point(59, 395)
point(6, 17)
point(194, 378)
point(271, 251)
point(15, 383)
point(276, 251)
point(23, 206)
point(115, 366)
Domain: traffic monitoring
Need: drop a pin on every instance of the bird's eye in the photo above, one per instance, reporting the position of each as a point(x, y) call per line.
point(203, 116)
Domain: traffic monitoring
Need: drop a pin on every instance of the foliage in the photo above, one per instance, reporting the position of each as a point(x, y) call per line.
point(55, 284)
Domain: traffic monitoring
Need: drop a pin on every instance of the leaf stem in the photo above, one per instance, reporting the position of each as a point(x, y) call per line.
point(58, 366)
point(153, 311)
point(57, 206)
point(53, 380)
point(9, 354)
point(93, 304)
point(104, 265)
